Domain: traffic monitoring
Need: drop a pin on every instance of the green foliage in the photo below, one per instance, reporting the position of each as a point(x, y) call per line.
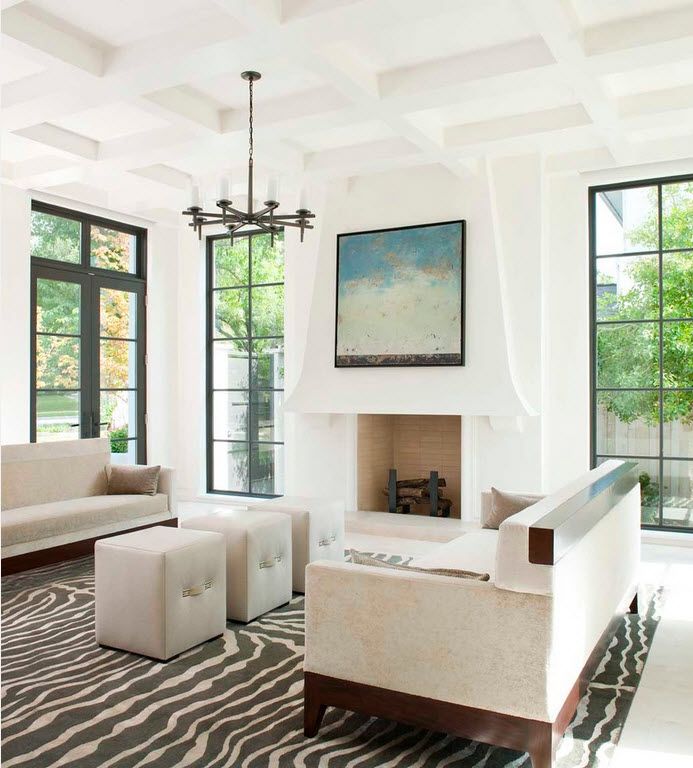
point(118, 438)
point(628, 355)
point(54, 237)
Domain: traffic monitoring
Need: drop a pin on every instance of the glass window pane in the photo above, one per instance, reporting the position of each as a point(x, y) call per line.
point(230, 415)
point(268, 311)
point(57, 416)
point(267, 416)
point(648, 475)
point(267, 469)
point(231, 313)
point(678, 424)
point(268, 262)
point(118, 313)
point(627, 220)
point(124, 451)
point(57, 306)
point(677, 495)
point(57, 362)
point(230, 364)
point(111, 249)
point(118, 416)
point(628, 423)
point(677, 215)
point(54, 237)
point(628, 355)
point(677, 284)
point(678, 354)
point(118, 364)
point(231, 263)
point(628, 288)
point(230, 467)
point(268, 363)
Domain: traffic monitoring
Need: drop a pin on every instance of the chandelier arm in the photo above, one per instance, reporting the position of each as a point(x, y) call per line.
point(266, 210)
point(236, 213)
point(262, 226)
point(293, 216)
point(297, 224)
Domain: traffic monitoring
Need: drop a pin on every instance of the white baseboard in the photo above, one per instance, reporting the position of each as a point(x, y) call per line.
point(669, 538)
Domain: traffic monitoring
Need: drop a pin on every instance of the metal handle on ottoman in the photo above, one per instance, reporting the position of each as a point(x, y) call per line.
point(195, 591)
point(327, 542)
point(270, 563)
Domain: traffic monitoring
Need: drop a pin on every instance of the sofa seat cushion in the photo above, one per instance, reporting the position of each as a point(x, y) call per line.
point(475, 551)
point(41, 521)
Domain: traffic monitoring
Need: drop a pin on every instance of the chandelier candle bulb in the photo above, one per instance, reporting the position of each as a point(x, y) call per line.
point(224, 188)
point(195, 196)
point(303, 200)
point(272, 189)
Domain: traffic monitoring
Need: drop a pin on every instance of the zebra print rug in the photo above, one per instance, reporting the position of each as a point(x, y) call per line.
point(234, 701)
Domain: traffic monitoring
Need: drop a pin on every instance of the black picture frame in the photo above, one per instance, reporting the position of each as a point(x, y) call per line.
point(395, 364)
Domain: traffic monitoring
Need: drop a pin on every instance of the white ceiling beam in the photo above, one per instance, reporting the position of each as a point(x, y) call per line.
point(192, 107)
point(656, 102)
point(49, 38)
point(164, 174)
point(512, 126)
point(59, 138)
point(638, 31)
point(559, 27)
point(478, 65)
point(359, 156)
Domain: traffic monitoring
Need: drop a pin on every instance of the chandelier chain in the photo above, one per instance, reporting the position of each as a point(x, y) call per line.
point(250, 121)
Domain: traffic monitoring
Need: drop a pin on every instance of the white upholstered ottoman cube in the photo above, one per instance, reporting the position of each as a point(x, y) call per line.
point(160, 591)
point(317, 530)
point(258, 558)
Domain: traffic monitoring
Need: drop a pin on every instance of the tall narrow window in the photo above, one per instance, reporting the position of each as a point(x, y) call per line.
point(245, 365)
point(88, 358)
point(641, 248)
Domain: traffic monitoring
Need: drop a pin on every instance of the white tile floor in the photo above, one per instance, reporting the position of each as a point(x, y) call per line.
point(659, 729)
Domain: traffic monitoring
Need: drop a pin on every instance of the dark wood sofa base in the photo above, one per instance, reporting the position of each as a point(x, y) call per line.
point(71, 551)
point(537, 737)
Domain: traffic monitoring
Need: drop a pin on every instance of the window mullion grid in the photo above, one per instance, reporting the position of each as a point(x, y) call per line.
point(660, 268)
point(250, 365)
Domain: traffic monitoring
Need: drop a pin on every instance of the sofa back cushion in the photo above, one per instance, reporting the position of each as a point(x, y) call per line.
point(38, 473)
point(515, 572)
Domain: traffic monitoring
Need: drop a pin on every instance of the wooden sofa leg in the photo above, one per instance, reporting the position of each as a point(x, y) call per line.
point(543, 746)
point(313, 710)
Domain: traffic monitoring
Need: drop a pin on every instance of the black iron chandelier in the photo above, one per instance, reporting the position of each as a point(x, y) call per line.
point(234, 219)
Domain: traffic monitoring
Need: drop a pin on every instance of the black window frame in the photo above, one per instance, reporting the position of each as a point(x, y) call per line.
point(209, 363)
point(92, 279)
point(660, 458)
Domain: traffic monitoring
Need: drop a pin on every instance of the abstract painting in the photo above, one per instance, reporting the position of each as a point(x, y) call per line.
point(400, 296)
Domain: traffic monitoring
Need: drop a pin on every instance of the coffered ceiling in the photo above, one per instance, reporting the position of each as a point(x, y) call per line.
point(122, 103)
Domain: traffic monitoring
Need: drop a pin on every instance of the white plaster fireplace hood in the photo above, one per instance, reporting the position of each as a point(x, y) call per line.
point(502, 353)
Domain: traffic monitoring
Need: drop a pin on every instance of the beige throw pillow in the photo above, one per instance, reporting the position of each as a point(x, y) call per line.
point(504, 505)
point(360, 559)
point(134, 479)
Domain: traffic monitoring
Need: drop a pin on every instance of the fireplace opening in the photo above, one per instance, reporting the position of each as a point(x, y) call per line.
point(421, 454)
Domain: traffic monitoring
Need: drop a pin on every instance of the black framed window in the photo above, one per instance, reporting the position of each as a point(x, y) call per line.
point(641, 255)
point(88, 356)
point(245, 365)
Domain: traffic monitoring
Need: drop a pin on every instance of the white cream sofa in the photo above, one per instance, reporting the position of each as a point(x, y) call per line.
point(54, 502)
point(498, 661)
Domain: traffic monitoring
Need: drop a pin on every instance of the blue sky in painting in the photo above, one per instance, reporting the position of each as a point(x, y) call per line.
point(379, 259)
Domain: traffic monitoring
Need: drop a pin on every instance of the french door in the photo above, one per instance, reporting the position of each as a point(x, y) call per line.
point(88, 359)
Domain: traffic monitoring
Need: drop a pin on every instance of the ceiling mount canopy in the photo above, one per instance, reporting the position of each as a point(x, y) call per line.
point(235, 219)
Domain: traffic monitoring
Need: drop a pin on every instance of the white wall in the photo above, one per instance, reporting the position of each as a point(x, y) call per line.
point(15, 319)
point(15, 284)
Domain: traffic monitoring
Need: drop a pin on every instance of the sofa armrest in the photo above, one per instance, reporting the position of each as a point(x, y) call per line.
point(167, 485)
point(460, 641)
